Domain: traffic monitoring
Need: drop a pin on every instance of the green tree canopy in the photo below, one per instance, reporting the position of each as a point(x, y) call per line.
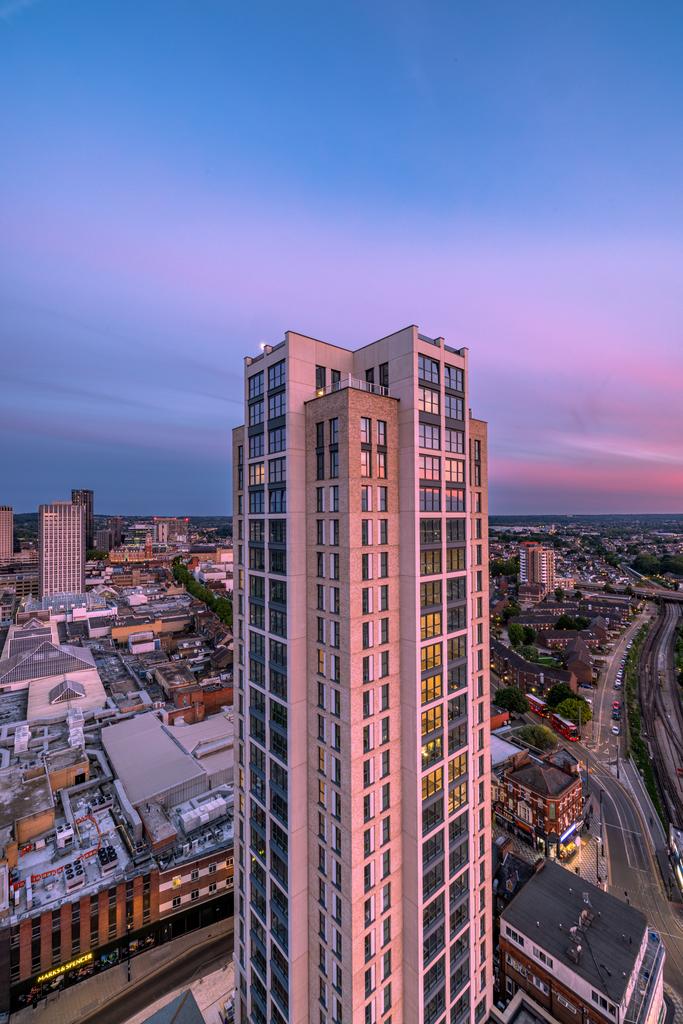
point(510, 611)
point(220, 606)
point(572, 622)
point(529, 634)
point(504, 566)
point(538, 736)
point(509, 698)
point(576, 710)
point(94, 555)
point(559, 594)
point(557, 693)
point(516, 634)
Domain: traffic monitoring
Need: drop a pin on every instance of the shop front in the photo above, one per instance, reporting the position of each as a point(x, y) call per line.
point(120, 950)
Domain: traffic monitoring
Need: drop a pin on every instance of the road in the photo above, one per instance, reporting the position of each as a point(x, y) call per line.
point(196, 962)
point(629, 839)
point(630, 833)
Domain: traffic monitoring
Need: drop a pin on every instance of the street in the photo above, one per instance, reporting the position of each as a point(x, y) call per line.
point(630, 831)
point(196, 961)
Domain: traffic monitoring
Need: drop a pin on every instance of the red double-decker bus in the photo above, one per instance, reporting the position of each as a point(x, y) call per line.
point(564, 727)
point(538, 706)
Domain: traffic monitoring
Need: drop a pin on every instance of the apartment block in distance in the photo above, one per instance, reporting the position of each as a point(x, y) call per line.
point(362, 810)
point(62, 548)
point(6, 534)
point(536, 570)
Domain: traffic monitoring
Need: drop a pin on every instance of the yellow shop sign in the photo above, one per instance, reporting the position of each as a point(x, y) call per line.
point(84, 959)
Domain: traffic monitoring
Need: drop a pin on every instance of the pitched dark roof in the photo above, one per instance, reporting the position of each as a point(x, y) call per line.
point(551, 903)
point(66, 690)
point(545, 779)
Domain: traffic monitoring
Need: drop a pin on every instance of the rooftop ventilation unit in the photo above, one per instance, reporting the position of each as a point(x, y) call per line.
point(22, 735)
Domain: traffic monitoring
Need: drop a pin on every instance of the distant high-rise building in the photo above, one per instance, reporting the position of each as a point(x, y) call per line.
point(116, 527)
point(62, 548)
point(537, 565)
point(87, 499)
point(170, 529)
point(6, 534)
point(104, 540)
point(362, 810)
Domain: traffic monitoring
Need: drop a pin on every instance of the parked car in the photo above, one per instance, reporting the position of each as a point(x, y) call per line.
point(616, 730)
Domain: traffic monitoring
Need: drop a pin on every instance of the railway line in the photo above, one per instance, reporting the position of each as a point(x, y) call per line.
point(661, 710)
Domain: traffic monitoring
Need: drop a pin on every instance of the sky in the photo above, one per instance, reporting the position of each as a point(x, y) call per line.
point(183, 180)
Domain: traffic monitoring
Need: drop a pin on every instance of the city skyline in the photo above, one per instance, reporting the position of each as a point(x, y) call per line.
point(507, 179)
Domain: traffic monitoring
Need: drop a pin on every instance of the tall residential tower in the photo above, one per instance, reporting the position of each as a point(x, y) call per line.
point(362, 826)
point(62, 548)
point(537, 566)
point(6, 534)
point(87, 500)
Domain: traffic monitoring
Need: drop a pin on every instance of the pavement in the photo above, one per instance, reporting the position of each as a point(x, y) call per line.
point(583, 863)
point(107, 995)
point(210, 992)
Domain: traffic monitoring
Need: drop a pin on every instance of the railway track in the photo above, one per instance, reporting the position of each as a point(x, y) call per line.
point(661, 710)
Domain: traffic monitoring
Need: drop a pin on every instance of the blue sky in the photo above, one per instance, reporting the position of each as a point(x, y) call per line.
point(181, 181)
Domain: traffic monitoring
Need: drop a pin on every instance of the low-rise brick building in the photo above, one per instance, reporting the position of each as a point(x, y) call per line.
point(540, 800)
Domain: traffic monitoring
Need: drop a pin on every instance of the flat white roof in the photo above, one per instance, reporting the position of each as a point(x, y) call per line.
point(146, 758)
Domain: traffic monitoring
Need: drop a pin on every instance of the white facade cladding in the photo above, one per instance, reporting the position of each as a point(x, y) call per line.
point(361, 645)
point(62, 548)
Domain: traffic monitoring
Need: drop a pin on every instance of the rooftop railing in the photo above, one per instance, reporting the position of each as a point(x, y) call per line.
point(646, 985)
point(347, 381)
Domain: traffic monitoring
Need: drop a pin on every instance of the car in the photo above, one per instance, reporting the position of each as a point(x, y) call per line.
point(617, 685)
point(616, 704)
point(616, 730)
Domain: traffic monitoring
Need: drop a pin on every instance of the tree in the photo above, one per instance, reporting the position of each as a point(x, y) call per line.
point(557, 693)
point(220, 606)
point(578, 595)
point(510, 611)
point(538, 736)
point(504, 566)
point(559, 594)
point(576, 710)
point(572, 622)
point(529, 652)
point(516, 634)
point(509, 698)
point(93, 555)
point(529, 634)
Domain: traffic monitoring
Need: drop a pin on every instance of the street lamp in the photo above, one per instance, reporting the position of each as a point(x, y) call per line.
point(598, 844)
point(128, 947)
